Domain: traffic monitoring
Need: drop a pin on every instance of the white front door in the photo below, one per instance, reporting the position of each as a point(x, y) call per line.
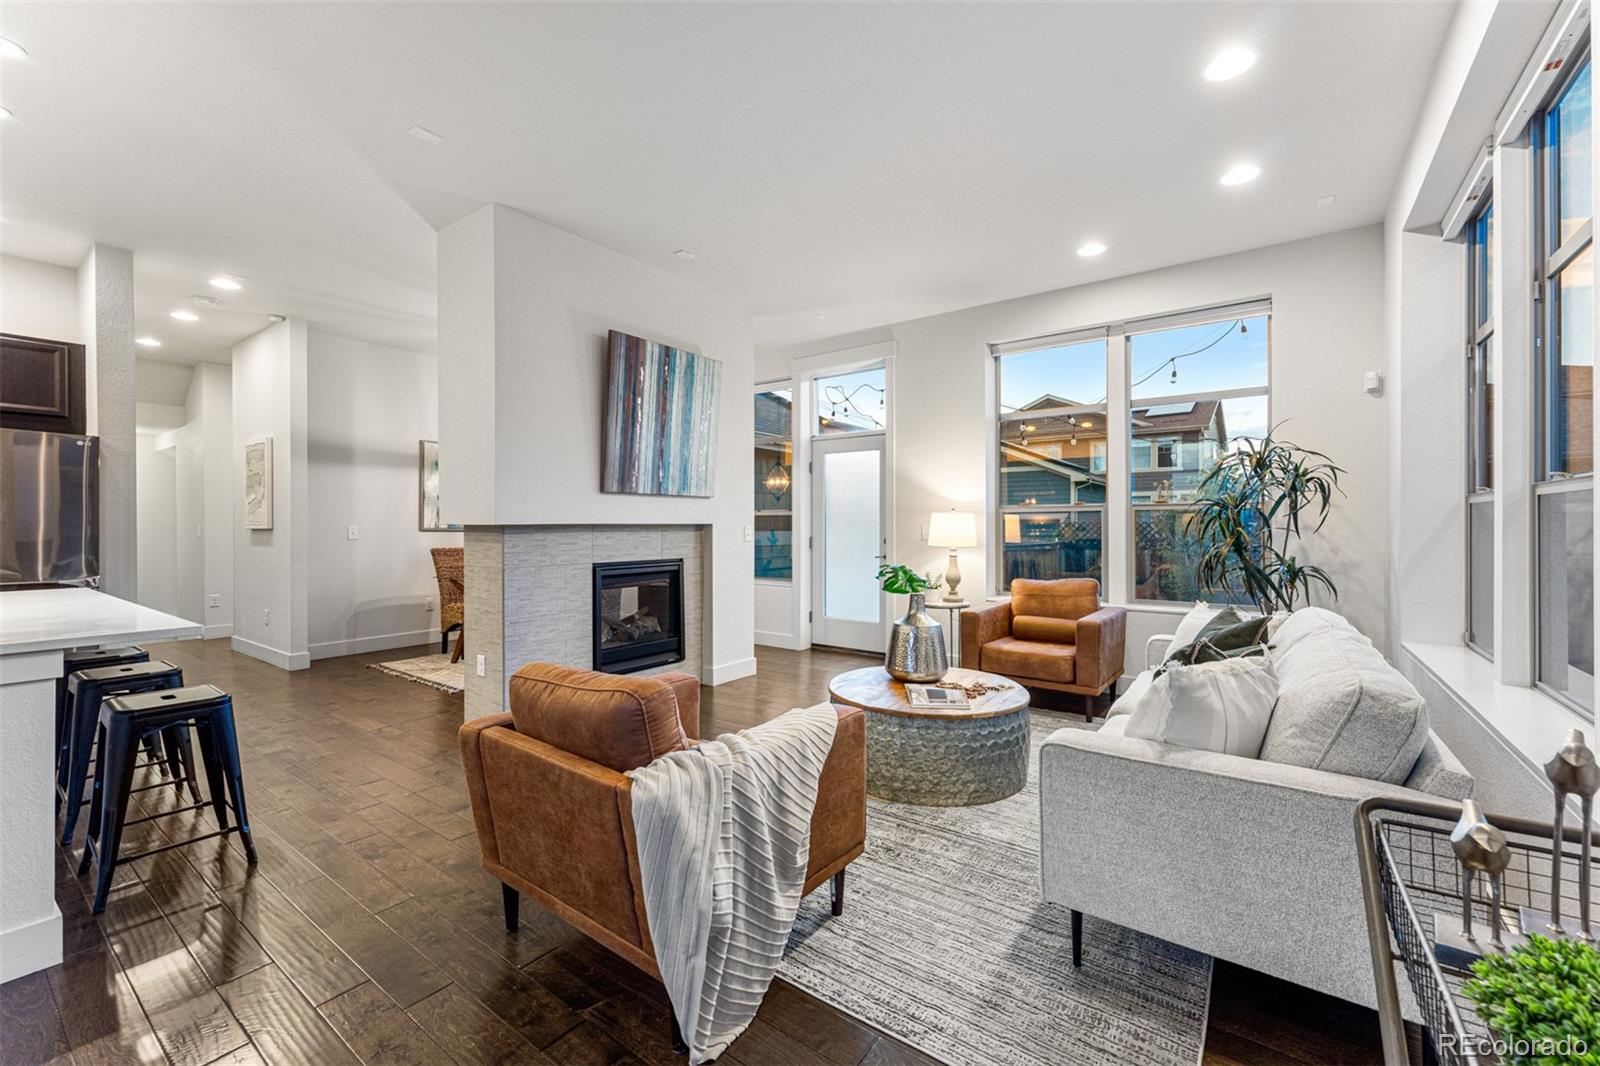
point(848, 543)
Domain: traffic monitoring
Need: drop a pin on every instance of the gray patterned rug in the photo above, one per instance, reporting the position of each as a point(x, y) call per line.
point(945, 944)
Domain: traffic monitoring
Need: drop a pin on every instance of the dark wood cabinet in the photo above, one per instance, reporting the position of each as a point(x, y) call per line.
point(41, 385)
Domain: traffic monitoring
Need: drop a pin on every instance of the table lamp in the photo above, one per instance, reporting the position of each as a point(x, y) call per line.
point(953, 529)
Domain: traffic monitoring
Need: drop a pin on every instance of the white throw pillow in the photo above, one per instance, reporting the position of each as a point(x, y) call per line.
point(1192, 623)
point(1221, 706)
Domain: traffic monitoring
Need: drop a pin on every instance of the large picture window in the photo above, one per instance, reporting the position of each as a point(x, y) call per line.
point(1564, 408)
point(1481, 375)
point(1196, 387)
point(1195, 384)
point(774, 526)
point(1052, 475)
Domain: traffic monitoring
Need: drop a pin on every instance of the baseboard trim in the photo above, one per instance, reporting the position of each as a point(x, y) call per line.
point(31, 947)
point(770, 639)
point(333, 649)
point(217, 632)
point(283, 660)
point(724, 672)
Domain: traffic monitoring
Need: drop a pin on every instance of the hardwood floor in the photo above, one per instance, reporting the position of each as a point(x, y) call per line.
point(369, 932)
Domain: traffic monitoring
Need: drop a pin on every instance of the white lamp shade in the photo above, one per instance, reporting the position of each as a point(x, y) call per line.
point(953, 529)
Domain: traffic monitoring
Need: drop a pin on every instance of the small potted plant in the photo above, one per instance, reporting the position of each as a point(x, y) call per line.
point(916, 642)
point(1542, 1000)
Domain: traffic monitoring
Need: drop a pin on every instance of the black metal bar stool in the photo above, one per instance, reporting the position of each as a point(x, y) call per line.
point(126, 719)
point(73, 660)
point(86, 690)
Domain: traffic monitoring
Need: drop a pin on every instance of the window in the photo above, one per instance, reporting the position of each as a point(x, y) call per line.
point(1052, 456)
point(1196, 387)
point(1564, 406)
point(851, 403)
point(1480, 349)
point(774, 484)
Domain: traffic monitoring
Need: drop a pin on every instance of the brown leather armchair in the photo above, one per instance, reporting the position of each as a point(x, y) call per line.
point(1053, 634)
point(551, 800)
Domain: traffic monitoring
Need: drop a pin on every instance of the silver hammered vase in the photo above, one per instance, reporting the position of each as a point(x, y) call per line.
point(916, 645)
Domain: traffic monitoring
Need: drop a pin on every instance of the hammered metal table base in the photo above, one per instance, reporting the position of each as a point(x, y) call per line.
point(947, 762)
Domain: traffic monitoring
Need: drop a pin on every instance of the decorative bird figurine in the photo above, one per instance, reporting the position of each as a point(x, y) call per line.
point(1480, 848)
point(1572, 772)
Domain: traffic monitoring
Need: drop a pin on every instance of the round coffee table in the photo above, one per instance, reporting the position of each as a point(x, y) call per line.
point(935, 756)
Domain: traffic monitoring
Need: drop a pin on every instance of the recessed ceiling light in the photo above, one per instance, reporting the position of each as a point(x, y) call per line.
point(1240, 174)
point(423, 133)
point(226, 282)
point(684, 253)
point(205, 301)
point(147, 342)
point(1090, 248)
point(274, 318)
point(818, 315)
point(1230, 63)
point(185, 316)
point(10, 49)
point(1325, 201)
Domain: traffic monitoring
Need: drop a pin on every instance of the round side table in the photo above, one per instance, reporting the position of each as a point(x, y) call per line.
point(953, 629)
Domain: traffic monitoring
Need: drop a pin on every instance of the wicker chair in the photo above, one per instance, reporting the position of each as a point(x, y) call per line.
point(449, 568)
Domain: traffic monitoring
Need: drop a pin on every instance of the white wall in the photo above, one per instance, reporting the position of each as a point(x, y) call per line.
point(105, 313)
point(270, 566)
point(209, 408)
point(368, 407)
point(1327, 295)
point(39, 300)
point(156, 514)
point(531, 345)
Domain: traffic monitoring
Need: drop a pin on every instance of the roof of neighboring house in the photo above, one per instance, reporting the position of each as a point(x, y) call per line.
point(1168, 417)
point(774, 415)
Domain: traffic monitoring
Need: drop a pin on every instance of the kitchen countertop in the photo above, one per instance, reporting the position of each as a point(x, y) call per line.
point(54, 619)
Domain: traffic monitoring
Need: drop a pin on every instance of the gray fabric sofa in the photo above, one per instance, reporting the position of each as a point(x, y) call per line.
point(1249, 860)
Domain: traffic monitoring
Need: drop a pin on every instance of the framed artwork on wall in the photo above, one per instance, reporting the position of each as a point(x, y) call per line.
point(661, 419)
point(429, 517)
point(258, 483)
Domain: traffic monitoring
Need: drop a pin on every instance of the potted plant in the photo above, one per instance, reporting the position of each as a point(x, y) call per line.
point(916, 642)
point(1543, 1000)
point(1255, 505)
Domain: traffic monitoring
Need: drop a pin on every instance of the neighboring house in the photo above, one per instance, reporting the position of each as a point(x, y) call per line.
point(1059, 459)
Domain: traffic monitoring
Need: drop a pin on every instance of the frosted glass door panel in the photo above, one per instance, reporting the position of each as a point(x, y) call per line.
point(852, 504)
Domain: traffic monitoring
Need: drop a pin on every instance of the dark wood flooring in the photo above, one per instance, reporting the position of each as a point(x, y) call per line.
point(369, 932)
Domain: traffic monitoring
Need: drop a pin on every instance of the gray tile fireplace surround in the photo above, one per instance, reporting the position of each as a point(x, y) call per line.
point(529, 596)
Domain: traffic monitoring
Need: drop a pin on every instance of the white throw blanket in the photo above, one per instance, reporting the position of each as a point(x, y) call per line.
point(724, 832)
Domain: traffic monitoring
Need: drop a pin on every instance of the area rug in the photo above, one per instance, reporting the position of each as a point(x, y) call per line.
point(435, 671)
point(945, 944)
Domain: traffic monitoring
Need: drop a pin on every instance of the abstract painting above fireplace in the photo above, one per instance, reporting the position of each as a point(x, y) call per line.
point(638, 615)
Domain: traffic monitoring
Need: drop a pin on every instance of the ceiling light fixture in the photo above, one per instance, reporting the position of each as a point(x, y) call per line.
point(684, 253)
point(423, 133)
point(274, 319)
point(147, 342)
point(1325, 201)
point(1240, 174)
point(227, 282)
point(1230, 63)
point(1090, 248)
point(185, 316)
point(10, 49)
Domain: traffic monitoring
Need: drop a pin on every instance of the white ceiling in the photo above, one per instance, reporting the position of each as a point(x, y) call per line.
point(860, 162)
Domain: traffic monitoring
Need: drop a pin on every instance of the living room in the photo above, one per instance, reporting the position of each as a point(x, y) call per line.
point(819, 533)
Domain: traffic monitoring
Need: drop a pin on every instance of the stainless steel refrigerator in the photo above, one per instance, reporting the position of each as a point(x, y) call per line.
point(49, 507)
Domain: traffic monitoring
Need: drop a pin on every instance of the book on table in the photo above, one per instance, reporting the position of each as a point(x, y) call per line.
point(934, 697)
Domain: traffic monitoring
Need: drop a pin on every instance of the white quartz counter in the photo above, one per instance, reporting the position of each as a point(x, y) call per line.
point(36, 626)
point(53, 619)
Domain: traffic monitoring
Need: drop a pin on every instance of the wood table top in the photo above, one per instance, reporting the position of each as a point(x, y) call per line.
point(872, 689)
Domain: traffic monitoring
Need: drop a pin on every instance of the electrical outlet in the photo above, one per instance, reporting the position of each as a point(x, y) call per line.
point(349, 532)
point(480, 666)
point(266, 617)
point(214, 600)
point(749, 533)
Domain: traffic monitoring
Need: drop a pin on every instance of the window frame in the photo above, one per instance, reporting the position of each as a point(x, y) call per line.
point(1551, 256)
point(757, 513)
point(1480, 329)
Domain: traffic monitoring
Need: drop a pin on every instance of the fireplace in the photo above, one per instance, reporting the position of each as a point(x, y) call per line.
point(638, 615)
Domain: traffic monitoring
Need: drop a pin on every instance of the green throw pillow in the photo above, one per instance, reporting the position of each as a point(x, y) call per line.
point(1204, 651)
point(1235, 634)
